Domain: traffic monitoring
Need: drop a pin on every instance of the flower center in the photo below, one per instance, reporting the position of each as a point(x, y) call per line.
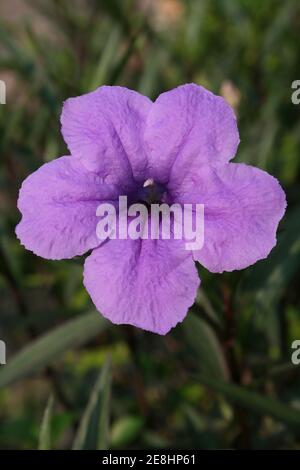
point(151, 193)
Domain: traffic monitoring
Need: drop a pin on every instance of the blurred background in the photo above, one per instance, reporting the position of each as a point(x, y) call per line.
point(222, 379)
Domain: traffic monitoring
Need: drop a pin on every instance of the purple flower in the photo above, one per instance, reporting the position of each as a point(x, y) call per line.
point(118, 140)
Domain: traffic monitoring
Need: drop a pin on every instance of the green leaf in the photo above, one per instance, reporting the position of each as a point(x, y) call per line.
point(253, 401)
point(107, 59)
point(126, 430)
point(45, 431)
point(93, 429)
point(51, 346)
point(206, 346)
point(148, 81)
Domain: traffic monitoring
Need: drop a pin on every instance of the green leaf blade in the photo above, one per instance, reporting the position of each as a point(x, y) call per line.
point(45, 431)
point(93, 432)
point(51, 346)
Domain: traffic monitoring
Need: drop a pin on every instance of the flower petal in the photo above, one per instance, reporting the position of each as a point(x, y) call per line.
point(103, 128)
point(189, 123)
point(58, 204)
point(242, 205)
point(146, 283)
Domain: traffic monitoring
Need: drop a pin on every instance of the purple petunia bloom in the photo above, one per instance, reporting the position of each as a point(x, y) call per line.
point(183, 142)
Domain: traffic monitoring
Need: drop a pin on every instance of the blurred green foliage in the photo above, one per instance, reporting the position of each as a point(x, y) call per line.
point(223, 378)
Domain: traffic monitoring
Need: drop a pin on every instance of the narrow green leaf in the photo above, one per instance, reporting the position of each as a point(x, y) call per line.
point(126, 430)
point(45, 431)
point(107, 59)
point(93, 429)
point(253, 401)
point(203, 301)
point(51, 346)
point(205, 345)
point(153, 61)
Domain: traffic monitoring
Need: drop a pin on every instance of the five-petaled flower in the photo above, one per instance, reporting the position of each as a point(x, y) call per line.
point(118, 139)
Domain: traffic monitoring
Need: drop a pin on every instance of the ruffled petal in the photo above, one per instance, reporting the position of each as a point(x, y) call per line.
point(58, 203)
point(242, 209)
point(189, 124)
point(104, 129)
point(146, 283)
